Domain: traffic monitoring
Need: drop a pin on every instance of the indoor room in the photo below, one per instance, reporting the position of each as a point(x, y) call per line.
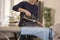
point(15, 16)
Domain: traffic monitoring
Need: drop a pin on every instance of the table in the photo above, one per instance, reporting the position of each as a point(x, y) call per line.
point(9, 29)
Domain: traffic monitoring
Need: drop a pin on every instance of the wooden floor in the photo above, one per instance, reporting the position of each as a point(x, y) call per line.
point(10, 38)
point(15, 39)
point(34, 39)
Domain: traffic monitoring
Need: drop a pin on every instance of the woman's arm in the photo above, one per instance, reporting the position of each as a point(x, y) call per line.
point(20, 8)
point(39, 23)
point(25, 11)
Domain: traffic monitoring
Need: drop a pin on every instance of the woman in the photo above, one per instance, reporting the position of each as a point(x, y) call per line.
point(27, 9)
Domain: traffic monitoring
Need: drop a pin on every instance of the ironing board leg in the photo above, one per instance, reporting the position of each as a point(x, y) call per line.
point(6, 36)
point(19, 36)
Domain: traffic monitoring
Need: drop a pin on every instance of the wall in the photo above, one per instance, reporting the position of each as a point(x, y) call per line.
point(17, 1)
point(1, 10)
point(4, 11)
point(55, 5)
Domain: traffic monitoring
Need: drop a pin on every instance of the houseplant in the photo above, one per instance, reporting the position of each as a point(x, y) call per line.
point(47, 16)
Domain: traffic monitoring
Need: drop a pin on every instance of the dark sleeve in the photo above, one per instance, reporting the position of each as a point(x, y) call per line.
point(20, 5)
point(37, 13)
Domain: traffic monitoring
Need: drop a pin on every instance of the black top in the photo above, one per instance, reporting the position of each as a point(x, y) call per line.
point(33, 9)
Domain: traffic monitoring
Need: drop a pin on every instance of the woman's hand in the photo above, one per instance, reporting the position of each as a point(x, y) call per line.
point(39, 23)
point(27, 13)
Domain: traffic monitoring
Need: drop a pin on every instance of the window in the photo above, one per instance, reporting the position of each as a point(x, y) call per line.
point(6, 10)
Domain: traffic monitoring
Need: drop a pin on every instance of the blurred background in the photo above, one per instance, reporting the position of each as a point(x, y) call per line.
point(8, 17)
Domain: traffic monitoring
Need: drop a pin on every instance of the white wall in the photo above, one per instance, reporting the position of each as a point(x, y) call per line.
point(17, 1)
point(55, 4)
point(2, 9)
point(6, 12)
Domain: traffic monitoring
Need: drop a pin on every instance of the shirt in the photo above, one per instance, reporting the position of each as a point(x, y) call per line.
point(33, 9)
